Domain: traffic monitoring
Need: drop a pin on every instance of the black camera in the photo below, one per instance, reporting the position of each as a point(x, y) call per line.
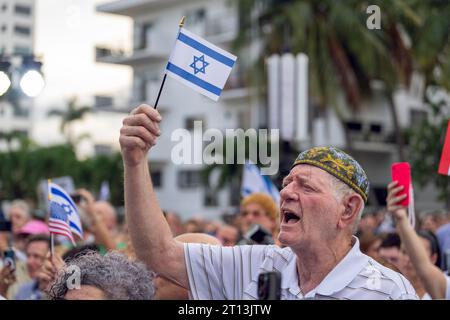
point(269, 286)
point(258, 235)
point(5, 226)
point(9, 259)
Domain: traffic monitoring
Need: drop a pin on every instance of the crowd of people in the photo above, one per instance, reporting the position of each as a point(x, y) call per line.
point(320, 239)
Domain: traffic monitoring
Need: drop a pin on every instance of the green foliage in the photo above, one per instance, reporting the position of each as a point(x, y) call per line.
point(72, 113)
point(427, 141)
point(22, 169)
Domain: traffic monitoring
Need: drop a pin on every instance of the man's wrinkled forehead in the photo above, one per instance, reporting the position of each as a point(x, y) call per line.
point(310, 173)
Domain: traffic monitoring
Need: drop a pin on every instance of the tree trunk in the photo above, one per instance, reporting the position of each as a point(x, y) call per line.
point(397, 130)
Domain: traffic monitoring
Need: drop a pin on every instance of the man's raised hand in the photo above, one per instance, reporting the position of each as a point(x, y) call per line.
point(139, 133)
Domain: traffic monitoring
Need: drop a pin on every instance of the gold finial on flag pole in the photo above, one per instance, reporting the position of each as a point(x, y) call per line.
point(181, 24)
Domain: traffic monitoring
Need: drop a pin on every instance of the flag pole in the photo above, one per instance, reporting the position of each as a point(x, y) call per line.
point(180, 25)
point(52, 241)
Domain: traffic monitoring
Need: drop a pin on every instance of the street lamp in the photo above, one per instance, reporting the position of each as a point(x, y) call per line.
point(27, 77)
point(5, 82)
point(32, 82)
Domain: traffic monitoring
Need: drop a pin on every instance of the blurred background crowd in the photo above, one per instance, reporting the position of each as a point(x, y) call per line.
point(255, 223)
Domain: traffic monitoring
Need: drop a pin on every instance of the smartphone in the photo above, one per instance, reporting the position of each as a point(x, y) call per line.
point(269, 286)
point(401, 172)
point(9, 259)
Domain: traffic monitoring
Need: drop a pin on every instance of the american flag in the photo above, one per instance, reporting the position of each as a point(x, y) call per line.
point(58, 222)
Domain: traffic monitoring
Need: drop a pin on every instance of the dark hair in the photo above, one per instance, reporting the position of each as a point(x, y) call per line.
point(391, 240)
point(366, 241)
point(434, 244)
point(38, 237)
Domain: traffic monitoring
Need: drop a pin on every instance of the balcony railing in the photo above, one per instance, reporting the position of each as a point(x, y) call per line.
point(102, 52)
point(226, 24)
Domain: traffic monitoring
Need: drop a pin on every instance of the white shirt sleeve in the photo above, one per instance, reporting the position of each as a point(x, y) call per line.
point(221, 273)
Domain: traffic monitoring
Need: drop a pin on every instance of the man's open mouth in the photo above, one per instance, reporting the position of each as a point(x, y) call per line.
point(290, 217)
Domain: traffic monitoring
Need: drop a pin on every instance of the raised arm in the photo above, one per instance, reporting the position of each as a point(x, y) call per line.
point(150, 234)
point(432, 277)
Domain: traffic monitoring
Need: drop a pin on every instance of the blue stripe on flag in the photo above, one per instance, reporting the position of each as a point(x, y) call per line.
point(74, 226)
point(206, 50)
point(268, 184)
point(193, 79)
point(63, 195)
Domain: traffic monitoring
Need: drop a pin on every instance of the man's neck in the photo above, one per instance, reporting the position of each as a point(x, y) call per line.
point(314, 263)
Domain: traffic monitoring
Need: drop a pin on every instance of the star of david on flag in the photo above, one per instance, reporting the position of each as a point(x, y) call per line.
point(199, 64)
point(195, 64)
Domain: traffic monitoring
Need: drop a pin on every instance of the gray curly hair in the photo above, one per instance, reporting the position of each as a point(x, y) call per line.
point(117, 276)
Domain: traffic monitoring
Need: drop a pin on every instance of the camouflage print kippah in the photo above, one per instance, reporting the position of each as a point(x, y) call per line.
point(339, 164)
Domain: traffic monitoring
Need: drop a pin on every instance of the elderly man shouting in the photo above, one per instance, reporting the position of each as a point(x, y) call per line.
point(321, 202)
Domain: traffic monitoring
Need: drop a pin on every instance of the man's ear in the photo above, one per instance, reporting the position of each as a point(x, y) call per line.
point(352, 206)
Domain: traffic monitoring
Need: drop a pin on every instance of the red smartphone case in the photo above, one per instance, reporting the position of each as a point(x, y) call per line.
point(401, 172)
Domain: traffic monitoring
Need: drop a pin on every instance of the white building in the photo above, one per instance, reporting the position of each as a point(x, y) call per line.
point(179, 187)
point(17, 27)
point(155, 27)
point(17, 19)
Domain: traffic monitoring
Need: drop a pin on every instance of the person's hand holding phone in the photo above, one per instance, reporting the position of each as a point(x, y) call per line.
point(394, 200)
point(7, 278)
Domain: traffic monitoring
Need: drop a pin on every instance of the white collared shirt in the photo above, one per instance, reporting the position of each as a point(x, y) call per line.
point(223, 273)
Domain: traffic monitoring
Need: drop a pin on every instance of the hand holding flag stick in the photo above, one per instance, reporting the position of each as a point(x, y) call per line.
point(198, 64)
point(52, 240)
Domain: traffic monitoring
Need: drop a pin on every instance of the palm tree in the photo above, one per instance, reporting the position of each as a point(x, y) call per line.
point(344, 55)
point(68, 116)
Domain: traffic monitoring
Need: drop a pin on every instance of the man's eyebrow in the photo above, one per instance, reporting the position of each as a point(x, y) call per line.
point(316, 182)
point(286, 180)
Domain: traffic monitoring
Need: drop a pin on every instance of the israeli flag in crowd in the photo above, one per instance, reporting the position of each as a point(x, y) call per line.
point(59, 196)
point(253, 181)
point(199, 64)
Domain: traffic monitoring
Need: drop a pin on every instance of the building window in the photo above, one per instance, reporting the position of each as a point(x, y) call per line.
point(195, 17)
point(156, 178)
point(21, 50)
point(188, 179)
point(4, 28)
point(21, 30)
point(22, 9)
point(102, 150)
point(143, 40)
point(103, 101)
point(210, 199)
point(189, 122)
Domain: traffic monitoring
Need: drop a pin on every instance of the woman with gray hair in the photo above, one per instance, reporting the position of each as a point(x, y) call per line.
point(113, 276)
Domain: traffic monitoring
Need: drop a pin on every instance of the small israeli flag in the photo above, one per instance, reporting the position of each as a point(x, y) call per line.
point(253, 181)
point(199, 64)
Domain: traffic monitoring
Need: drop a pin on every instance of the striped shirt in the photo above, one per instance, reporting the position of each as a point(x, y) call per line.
point(224, 273)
